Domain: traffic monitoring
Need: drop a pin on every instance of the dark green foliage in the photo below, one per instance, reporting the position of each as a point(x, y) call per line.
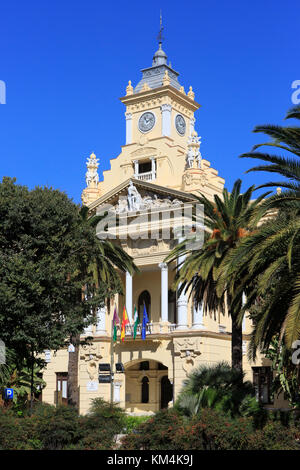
point(210, 430)
point(101, 425)
point(271, 256)
point(17, 433)
point(60, 428)
point(157, 433)
point(216, 386)
point(227, 221)
point(57, 427)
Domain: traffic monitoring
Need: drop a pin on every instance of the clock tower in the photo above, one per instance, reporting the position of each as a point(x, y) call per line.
point(161, 145)
point(158, 106)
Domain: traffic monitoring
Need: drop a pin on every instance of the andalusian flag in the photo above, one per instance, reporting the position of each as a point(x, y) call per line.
point(116, 322)
point(125, 322)
point(145, 321)
point(136, 322)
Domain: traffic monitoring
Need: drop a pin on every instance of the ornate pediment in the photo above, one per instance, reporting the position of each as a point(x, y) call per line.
point(140, 200)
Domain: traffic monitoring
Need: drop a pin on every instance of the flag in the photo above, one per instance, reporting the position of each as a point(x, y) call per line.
point(125, 322)
point(136, 322)
point(145, 321)
point(116, 322)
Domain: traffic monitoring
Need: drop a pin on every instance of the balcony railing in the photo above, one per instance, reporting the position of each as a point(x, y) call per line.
point(147, 176)
point(152, 328)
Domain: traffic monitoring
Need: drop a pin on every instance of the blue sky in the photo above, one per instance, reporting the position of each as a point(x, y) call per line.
point(66, 63)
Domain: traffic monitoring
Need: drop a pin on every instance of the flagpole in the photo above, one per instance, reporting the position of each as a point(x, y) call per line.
point(112, 363)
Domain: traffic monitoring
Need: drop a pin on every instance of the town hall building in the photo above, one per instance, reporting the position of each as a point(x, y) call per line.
point(156, 175)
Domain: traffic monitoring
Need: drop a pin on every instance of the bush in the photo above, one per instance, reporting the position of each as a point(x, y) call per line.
point(211, 430)
point(100, 426)
point(17, 433)
point(57, 427)
point(133, 422)
point(157, 433)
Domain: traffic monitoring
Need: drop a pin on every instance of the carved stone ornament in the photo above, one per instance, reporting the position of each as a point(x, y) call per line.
point(135, 202)
point(187, 347)
point(91, 175)
point(90, 352)
point(193, 156)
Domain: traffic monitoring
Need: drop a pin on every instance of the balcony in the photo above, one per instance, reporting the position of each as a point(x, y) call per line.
point(145, 170)
point(147, 176)
point(151, 329)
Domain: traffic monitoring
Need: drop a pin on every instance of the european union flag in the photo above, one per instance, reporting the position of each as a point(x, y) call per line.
point(145, 321)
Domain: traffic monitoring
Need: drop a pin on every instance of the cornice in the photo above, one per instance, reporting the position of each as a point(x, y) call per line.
point(166, 90)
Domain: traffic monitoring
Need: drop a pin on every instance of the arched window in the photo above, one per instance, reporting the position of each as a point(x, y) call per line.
point(145, 390)
point(172, 317)
point(144, 298)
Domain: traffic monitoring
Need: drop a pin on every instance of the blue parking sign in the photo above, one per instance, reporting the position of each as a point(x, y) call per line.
point(9, 393)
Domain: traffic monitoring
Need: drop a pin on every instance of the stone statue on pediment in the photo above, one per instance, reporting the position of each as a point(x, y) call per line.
point(134, 198)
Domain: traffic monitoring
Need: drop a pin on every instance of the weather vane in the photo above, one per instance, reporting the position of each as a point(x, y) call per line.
point(160, 35)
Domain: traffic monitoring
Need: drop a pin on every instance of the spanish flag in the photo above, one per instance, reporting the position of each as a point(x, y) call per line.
point(125, 322)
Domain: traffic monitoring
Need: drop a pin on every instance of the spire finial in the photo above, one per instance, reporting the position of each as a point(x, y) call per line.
point(160, 36)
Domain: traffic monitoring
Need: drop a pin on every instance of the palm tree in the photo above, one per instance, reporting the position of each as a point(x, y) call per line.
point(271, 256)
point(101, 262)
point(227, 221)
point(215, 386)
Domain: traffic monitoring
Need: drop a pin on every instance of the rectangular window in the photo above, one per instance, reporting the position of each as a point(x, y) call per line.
point(62, 388)
point(262, 381)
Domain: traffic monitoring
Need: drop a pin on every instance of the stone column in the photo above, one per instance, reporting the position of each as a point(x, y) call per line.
point(164, 292)
point(136, 168)
point(182, 303)
point(192, 125)
point(198, 317)
point(117, 395)
point(129, 295)
point(100, 326)
point(153, 167)
point(166, 119)
point(128, 117)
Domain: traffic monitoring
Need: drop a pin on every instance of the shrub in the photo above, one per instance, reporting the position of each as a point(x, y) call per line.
point(251, 407)
point(57, 427)
point(210, 430)
point(100, 426)
point(17, 433)
point(157, 433)
point(133, 422)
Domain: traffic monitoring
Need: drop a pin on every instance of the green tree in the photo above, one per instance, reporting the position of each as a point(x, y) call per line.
point(45, 257)
point(227, 220)
point(267, 264)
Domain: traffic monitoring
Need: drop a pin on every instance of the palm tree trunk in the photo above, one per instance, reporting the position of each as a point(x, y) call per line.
point(73, 396)
point(236, 345)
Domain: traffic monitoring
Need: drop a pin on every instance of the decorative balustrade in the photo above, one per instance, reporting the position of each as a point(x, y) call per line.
point(147, 176)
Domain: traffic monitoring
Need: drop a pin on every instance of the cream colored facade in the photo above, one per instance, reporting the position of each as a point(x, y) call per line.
point(158, 170)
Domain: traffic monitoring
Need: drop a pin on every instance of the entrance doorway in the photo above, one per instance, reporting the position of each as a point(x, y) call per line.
point(166, 394)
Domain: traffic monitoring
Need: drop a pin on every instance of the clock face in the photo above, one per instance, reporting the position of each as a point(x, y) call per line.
point(146, 122)
point(180, 124)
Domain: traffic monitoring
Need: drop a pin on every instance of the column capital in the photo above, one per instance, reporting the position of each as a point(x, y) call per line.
point(163, 266)
point(166, 107)
point(128, 116)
